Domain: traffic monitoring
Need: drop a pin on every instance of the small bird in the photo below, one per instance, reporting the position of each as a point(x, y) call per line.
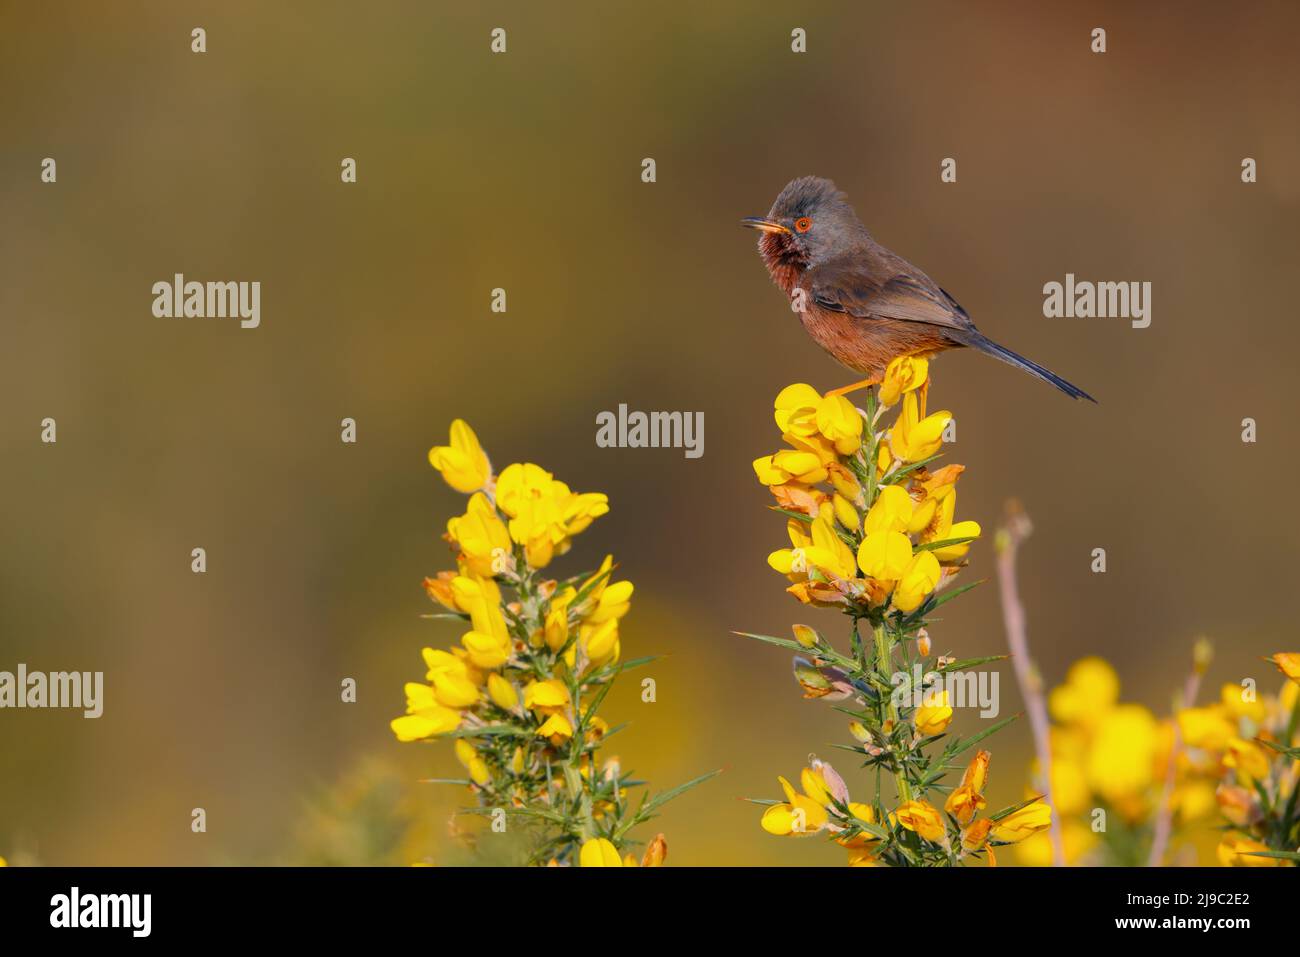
point(860, 302)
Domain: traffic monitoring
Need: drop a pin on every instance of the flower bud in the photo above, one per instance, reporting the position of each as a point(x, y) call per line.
point(860, 732)
point(974, 836)
point(806, 636)
point(655, 853)
point(845, 513)
point(502, 692)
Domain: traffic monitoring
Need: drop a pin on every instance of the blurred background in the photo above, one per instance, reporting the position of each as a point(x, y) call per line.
point(522, 171)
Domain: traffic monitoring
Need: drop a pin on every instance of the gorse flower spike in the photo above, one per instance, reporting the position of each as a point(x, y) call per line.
point(521, 690)
point(873, 533)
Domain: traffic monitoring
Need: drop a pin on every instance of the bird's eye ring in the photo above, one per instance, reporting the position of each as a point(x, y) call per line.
point(803, 224)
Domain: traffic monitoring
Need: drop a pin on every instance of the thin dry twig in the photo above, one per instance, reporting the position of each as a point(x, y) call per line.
point(1164, 824)
point(1009, 539)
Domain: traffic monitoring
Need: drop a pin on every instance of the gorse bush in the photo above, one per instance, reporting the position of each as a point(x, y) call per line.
point(520, 695)
point(873, 533)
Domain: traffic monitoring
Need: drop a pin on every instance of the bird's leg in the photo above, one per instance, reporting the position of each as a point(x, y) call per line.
point(855, 386)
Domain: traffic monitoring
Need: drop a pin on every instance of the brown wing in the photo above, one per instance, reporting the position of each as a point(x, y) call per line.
point(855, 287)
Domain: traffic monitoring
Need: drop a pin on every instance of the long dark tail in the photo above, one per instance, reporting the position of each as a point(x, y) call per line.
point(986, 345)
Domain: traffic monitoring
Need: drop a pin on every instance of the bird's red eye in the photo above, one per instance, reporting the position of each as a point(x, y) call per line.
point(803, 224)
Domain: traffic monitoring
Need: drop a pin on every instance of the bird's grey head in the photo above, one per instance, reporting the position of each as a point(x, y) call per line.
point(809, 223)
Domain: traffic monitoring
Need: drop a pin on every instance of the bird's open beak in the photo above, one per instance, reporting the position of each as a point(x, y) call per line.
point(766, 225)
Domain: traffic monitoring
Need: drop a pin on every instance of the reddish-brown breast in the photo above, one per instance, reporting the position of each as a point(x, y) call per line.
point(868, 345)
point(864, 345)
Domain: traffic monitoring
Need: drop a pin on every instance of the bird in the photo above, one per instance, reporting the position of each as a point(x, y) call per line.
point(862, 303)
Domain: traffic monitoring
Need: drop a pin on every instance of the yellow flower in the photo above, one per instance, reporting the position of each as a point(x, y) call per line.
point(1070, 791)
point(544, 514)
point(1234, 699)
point(813, 782)
point(1247, 759)
point(916, 436)
point(580, 510)
point(1077, 839)
point(1288, 662)
point(974, 836)
point(792, 561)
point(1018, 825)
point(502, 693)
point(845, 513)
point(555, 630)
point(806, 636)
point(796, 465)
point(1193, 800)
point(863, 812)
point(885, 555)
point(425, 717)
point(594, 587)
point(923, 818)
point(942, 528)
point(845, 484)
point(475, 765)
point(883, 459)
point(1288, 696)
point(546, 694)
point(454, 690)
point(801, 813)
point(967, 800)
point(769, 474)
point(1235, 850)
point(863, 857)
point(829, 552)
point(555, 727)
point(416, 727)
point(1238, 805)
point(840, 423)
point(796, 409)
point(822, 549)
point(964, 803)
point(481, 536)
point(976, 775)
point(904, 374)
point(934, 715)
point(599, 852)
point(1121, 761)
point(486, 651)
point(919, 579)
point(600, 642)
point(439, 589)
point(469, 594)
point(612, 603)
point(444, 662)
point(1206, 728)
point(1091, 688)
point(891, 511)
point(480, 598)
point(463, 463)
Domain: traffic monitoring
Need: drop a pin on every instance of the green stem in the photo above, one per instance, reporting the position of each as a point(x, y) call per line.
point(883, 661)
